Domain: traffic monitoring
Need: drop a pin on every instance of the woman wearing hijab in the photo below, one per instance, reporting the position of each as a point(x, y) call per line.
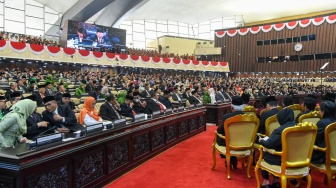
point(286, 119)
point(80, 90)
point(13, 125)
point(328, 112)
point(89, 115)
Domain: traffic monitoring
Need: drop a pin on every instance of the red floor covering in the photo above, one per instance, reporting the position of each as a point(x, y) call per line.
point(188, 165)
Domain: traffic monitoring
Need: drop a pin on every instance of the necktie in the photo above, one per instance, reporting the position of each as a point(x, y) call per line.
point(34, 117)
point(115, 111)
point(161, 105)
point(178, 97)
point(42, 95)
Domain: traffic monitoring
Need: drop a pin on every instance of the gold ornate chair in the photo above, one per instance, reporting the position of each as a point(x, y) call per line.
point(270, 125)
point(76, 101)
point(241, 146)
point(39, 110)
point(297, 148)
point(317, 108)
point(329, 167)
point(250, 110)
point(264, 110)
point(313, 117)
point(297, 108)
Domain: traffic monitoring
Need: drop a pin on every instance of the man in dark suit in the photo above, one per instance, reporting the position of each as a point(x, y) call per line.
point(13, 87)
point(14, 98)
point(40, 94)
point(61, 116)
point(139, 107)
point(3, 110)
point(165, 100)
point(175, 95)
point(61, 91)
point(22, 87)
point(145, 93)
point(271, 110)
point(100, 38)
point(35, 124)
point(309, 104)
point(186, 94)
point(154, 105)
point(97, 93)
point(126, 108)
point(219, 95)
point(237, 108)
point(80, 36)
point(193, 99)
point(66, 100)
point(90, 86)
point(109, 110)
point(48, 91)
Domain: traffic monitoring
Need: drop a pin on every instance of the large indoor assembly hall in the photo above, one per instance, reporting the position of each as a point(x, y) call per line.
point(167, 94)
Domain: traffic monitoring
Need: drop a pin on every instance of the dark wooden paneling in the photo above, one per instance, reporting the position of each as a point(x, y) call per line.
point(247, 48)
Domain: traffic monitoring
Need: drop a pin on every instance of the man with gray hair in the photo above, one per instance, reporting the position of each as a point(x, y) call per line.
point(237, 108)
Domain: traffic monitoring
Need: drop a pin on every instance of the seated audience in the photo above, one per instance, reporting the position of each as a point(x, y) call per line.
point(309, 105)
point(89, 114)
point(13, 125)
point(287, 101)
point(14, 97)
point(237, 108)
point(61, 91)
point(40, 94)
point(154, 104)
point(110, 109)
point(271, 110)
point(193, 99)
point(139, 106)
point(219, 95)
point(328, 113)
point(48, 90)
point(97, 93)
point(66, 100)
point(62, 117)
point(126, 108)
point(186, 93)
point(13, 88)
point(80, 90)
point(35, 123)
point(175, 94)
point(165, 100)
point(3, 107)
point(286, 119)
point(22, 87)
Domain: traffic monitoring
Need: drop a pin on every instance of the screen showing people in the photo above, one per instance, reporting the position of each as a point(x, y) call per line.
point(95, 37)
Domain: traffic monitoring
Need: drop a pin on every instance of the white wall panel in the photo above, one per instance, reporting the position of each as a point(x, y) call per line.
point(36, 23)
point(17, 4)
point(34, 11)
point(1, 8)
point(50, 18)
point(14, 15)
point(14, 27)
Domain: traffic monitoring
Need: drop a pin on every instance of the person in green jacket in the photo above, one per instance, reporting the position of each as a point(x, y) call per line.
point(13, 125)
point(80, 90)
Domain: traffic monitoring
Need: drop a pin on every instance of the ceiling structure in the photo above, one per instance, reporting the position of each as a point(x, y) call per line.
point(113, 12)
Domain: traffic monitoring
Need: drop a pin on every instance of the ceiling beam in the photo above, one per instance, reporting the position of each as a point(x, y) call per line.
point(80, 11)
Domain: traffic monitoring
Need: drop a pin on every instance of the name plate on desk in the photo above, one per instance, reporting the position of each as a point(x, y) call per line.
point(156, 114)
point(108, 124)
point(192, 107)
point(120, 122)
point(43, 140)
point(180, 109)
point(168, 111)
point(139, 117)
point(198, 105)
point(95, 127)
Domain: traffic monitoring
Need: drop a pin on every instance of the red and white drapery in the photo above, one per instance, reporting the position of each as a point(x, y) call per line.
point(331, 19)
point(85, 54)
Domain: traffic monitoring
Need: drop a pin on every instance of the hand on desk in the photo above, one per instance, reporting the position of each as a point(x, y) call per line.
point(62, 130)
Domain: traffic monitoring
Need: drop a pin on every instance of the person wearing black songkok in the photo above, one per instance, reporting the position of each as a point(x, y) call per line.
point(286, 119)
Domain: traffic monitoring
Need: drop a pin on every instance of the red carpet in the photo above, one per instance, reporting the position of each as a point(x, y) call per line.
point(188, 165)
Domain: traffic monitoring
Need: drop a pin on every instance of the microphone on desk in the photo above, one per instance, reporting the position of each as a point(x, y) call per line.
point(42, 133)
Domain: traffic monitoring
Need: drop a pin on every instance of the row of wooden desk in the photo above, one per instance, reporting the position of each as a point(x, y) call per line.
point(98, 158)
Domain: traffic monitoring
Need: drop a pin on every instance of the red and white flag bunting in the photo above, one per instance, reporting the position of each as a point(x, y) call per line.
point(38, 50)
point(277, 27)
